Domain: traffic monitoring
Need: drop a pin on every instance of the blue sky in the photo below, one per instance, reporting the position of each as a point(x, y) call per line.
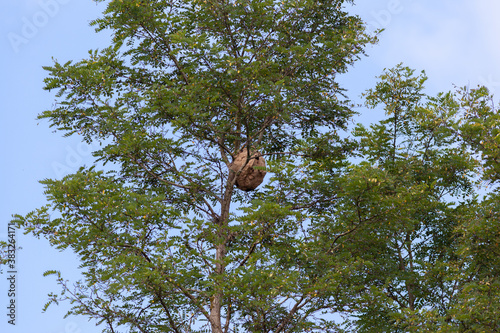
point(455, 41)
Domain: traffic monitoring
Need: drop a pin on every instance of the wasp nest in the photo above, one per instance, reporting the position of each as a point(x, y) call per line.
point(249, 178)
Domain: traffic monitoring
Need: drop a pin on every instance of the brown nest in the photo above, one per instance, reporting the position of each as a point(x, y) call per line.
point(249, 178)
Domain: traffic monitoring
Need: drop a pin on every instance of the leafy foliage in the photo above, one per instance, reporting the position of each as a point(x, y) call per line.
point(385, 228)
point(436, 271)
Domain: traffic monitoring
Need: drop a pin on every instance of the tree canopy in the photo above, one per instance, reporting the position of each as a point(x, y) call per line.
point(381, 228)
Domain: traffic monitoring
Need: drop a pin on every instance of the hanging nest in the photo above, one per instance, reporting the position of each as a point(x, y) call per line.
point(249, 178)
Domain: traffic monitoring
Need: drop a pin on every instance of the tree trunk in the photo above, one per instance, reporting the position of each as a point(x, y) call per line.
point(217, 299)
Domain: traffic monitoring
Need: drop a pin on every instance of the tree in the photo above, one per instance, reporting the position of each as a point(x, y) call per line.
point(431, 243)
point(412, 172)
point(474, 307)
point(167, 241)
